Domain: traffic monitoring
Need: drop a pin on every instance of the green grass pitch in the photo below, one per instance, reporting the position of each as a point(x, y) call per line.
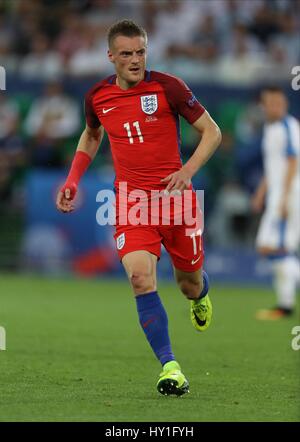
point(75, 352)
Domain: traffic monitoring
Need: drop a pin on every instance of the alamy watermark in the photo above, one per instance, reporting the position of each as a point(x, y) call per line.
point(2, 338)
point(296, 80)
point(296, 339)
point(154, 208)
point(2, 79)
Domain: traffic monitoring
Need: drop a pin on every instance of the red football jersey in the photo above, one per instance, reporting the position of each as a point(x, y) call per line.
point(142, 124)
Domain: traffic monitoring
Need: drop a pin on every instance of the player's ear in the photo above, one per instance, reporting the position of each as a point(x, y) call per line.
point(110, 56)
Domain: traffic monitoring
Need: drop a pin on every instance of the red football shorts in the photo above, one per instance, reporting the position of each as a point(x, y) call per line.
point(183, 242)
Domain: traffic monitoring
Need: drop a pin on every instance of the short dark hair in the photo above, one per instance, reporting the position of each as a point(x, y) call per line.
point(128, 28)
point(273, 88)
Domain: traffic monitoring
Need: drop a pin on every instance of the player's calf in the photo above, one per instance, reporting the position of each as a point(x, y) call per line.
point(201, 308)
point(190, 289)
point(190, 283)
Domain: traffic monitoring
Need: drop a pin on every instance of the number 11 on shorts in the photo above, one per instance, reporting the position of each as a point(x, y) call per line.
point(193, 236)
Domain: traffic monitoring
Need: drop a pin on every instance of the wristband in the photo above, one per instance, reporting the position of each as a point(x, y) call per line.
point(80, 163)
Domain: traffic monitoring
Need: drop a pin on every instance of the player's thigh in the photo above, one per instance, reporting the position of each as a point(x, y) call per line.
point(140, 267)
point(133, 238)
point(185, 247)
point(269, 231)
point(292, 234)
point(276, 234)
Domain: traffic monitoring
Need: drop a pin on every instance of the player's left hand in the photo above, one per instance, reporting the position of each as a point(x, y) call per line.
point(179, 181)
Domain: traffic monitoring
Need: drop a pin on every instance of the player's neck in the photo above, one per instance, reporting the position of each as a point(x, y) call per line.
point(123, 84)
point(276, 118)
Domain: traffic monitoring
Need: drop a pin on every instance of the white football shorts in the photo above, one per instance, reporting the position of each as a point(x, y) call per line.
point(276, 233)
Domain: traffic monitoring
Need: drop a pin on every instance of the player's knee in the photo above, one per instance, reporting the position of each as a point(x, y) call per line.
point(142, 282)
point(191, 289)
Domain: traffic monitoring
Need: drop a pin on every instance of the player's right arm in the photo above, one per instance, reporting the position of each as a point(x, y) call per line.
point(90, 140)
point(87, 148)
point(258, 199)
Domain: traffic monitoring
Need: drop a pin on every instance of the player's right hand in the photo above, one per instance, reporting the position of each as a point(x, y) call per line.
point(65, 198)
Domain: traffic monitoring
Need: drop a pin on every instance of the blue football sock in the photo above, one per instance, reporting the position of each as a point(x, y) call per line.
point(154, 321)
point(205, 285)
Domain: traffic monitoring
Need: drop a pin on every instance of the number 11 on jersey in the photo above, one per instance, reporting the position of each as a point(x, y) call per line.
point(138, 130)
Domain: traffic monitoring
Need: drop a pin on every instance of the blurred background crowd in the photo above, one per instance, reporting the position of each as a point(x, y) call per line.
point(232, 41)
point(54, 50)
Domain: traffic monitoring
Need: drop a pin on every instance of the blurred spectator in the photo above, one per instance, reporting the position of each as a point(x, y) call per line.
point(42, 62)
point(12, 148)
point(45, 249)
point(289, 38)
point(238, 31)
point(248, 133)
point(246, 41)
point(241, 11)
point(220, 169)
point(167, 29)
point(204, 44)
point(70, 39)
point(249, 122)
point(243, 62)
point(53, 115)
point(264, 24)
point(7, 58)
point(276, 63)
point(206, 39)
point(6, 30)
point(52, 118)
point(229, 222)
point(5, 179)
point(9, 116)
point(91, 58)
point(100, 12)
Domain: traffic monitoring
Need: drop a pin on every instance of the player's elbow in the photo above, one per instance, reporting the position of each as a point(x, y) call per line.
point(214, 135)
point(217, 135)
point(93, 134)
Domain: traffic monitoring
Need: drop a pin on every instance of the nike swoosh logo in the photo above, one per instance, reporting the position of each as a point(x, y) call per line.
point(108, 110)
point(195, 260)
point(199, 322)
point(145, 324)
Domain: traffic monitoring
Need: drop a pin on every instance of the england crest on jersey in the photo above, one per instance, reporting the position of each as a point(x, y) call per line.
point(149, 104)
point(121, 241)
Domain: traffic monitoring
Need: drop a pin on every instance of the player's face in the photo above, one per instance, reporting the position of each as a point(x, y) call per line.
point(275, 105)
point(129, 57)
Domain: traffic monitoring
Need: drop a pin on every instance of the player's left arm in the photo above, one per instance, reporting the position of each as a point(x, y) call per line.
point(210, 139)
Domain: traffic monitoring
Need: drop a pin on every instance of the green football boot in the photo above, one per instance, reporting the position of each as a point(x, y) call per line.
point(201, 313)
point(172, 380)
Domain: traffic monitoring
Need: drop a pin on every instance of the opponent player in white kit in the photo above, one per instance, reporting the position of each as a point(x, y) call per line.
point(279, 232)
